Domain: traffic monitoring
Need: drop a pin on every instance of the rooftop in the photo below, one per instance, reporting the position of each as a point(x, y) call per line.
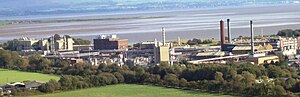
point(248, 47)
point(218, 53)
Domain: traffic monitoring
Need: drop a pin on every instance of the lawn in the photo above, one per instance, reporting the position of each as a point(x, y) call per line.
point(129, 90)
point(8, 76)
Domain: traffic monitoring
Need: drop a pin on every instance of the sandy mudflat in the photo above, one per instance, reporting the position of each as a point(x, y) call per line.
point(195, 23)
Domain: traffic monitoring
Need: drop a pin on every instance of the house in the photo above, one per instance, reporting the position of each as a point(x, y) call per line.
point(6, 89)
point(33, 85)
point(245, 49)
point(4, 92)
point(285, 46)
point(10, 86)
point(18, 85)
point(264, 59)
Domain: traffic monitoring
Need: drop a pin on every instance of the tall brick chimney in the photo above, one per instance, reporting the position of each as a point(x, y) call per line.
point(222, 35)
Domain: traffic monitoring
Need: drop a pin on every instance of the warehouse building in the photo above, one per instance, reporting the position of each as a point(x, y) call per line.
point(110, 42)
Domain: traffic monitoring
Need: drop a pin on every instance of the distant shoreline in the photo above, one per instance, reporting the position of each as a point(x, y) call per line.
point(146, 26)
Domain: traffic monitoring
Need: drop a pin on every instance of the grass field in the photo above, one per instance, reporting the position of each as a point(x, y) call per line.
point(8, 76)
point(128, 90)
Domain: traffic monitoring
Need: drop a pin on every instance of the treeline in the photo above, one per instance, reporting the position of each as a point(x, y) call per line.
point(233, 78)
point(30, 63)
point(289, 33)
point(78, 41)
point(199, 41)
point(243, 79)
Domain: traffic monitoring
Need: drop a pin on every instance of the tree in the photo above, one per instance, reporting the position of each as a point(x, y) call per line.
point(10, 45)
point(109, 78)
point(219, 76)
point(296, 87)
point(152, 79)
point(66, 82)
point(278, 91)
point(103, 79)
point(61, 63)
point(248, 79)
point(199, 41)
point(283, 60)
point(119, 76)
point(44, 64)
point(286, 83)
point(129, 63)
point(192, 84)
point(183, 82)
point(260, 90)
point(289, 33)
point(254, 69)
point(56, 37)
point(78, 41)
point(275, 72)
point(236, 83)
point(55, 84)
point(5, 59)
point(164, 64)
point(140, 70)
point(130, 76)
point(190, 42)
point(50, 86)
point(267, 89)
point(24, 64)
point(171, 80)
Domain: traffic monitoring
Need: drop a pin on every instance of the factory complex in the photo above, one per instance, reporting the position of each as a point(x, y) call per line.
point(110, 49)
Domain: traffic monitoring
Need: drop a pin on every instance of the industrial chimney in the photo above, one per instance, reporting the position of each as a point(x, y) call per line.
point(252, 37)
point(178, 40)
point(222, 34)
point(228, 30)
point(164, 36)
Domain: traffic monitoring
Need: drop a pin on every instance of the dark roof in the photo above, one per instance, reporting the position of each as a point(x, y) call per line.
point(32, 84)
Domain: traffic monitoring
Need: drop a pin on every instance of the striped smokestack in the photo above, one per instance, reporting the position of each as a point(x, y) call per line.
point(222, 35)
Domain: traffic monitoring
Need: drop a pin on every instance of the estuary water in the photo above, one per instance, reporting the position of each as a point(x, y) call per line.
point(146, 25)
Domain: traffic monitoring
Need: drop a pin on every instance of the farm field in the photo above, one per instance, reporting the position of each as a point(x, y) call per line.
point(131, 90)
point(8, 76)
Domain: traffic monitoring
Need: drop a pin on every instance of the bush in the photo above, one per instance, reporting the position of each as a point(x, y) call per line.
point(199, 41)
point(50, 86)
point(289, 33)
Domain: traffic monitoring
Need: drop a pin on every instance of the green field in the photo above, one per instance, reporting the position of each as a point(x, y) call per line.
point(8, 76)
point(128, 90)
